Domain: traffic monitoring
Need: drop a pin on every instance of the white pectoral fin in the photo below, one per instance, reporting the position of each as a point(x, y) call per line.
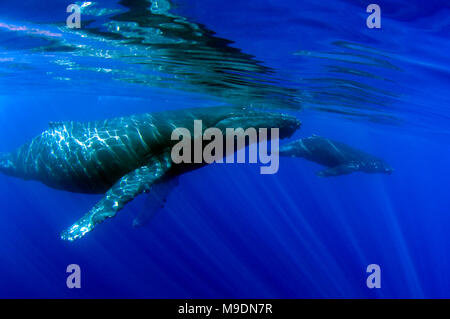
point(339, 170)
point(155, 201)
point(125, 190)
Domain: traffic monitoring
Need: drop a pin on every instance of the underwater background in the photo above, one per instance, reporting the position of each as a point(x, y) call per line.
point(227, 231)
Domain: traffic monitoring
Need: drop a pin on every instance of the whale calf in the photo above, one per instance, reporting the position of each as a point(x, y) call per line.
point(124, 157)
point(339, 158)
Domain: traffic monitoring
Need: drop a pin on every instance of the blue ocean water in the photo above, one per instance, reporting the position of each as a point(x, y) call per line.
point(226, 230)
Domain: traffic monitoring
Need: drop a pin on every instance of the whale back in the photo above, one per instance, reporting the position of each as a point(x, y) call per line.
point(89, 157)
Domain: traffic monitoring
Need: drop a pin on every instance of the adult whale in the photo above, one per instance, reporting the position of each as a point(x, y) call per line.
point(339, 158)
point(122, 157)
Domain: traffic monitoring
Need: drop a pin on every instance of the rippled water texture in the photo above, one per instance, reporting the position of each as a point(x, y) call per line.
point(330, 64)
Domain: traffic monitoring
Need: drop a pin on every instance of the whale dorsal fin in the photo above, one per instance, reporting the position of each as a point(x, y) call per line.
point(54, 125)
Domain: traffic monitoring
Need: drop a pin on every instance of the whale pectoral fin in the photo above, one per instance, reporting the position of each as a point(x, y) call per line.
point(339, 170)
point(155, 201)
point(125, 190)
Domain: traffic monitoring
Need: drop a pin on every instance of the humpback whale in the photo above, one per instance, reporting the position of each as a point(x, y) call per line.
point(124, 157)
point(338, 157)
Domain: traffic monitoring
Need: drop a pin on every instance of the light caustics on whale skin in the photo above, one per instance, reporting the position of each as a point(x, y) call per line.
point(82, 167)
point(90, 157)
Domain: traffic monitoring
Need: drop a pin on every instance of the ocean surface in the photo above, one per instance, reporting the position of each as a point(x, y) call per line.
point(227, 231)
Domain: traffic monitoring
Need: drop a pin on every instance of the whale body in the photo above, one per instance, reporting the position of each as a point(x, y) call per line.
point(122, 157)
point(339, 158)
